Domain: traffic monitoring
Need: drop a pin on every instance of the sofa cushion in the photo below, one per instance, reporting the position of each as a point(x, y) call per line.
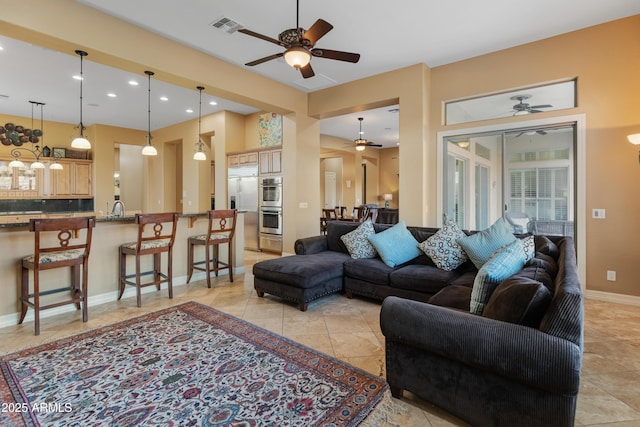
point(519, 300)
point(422, 278)
point(357, 241)
point(443, 247)
point(546, 246)
point(395, 245)
point(503, 264)
point(480, 246)
point(537, 273)
point(302, 271)
point(453, 296)
point(546, 262)
point(370, 270)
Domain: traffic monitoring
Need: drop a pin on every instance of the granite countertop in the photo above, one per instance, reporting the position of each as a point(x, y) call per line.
point(129, 218)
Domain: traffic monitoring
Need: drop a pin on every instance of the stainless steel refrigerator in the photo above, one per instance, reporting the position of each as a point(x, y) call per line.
point(243, 196)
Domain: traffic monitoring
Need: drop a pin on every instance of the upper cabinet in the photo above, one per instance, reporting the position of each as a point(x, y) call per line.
point(20, 183)
point(243, 159)
point(270, 162)
point(73, 181)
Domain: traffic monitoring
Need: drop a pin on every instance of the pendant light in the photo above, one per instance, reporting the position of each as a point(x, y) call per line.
point(149, 149)
point(81, 142)
point(199, 154)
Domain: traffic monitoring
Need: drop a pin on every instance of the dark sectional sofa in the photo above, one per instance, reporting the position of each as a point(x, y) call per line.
point(516, 364)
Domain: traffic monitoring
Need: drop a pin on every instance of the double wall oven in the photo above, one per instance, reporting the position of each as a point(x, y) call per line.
point(270, 200)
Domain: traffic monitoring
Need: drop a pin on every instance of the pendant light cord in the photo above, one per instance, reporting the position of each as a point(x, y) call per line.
point(82, 54)
point(149, 74)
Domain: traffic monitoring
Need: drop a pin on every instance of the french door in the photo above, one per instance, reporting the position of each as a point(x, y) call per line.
point(525, 175)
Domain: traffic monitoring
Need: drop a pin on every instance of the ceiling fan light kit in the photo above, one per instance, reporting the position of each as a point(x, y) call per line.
point(299, 46)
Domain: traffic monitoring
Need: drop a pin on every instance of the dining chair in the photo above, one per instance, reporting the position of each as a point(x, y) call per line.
point(222, 228)
point(330, 214)
point(58, 242)
point(156, 235)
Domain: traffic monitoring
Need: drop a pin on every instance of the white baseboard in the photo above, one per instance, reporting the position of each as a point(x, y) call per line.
point(129, 292)
point(611, 297)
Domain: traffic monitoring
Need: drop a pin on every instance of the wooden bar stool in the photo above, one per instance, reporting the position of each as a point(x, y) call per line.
point(69, 248)
point(222, 227)
point(153, 241)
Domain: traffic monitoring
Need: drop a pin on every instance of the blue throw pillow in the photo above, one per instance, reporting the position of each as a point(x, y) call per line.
point(395, 245)
point(480, 246)
point(505, 263)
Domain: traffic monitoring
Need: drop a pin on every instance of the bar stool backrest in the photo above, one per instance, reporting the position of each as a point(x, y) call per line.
point(68, 238)
point(157, 233)
point(222, 224)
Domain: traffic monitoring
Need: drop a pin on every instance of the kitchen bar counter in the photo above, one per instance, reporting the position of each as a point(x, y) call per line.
point(16, 241)
point(21, 219)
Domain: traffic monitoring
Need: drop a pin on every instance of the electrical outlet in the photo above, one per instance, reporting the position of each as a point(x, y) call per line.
point(598, 213)
point(611, 275)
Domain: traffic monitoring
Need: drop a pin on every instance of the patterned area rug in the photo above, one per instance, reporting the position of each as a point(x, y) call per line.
point(189, 365)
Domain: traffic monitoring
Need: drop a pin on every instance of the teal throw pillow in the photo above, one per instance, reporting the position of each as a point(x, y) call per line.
point(357, 241)
point(480, 246)
point(395, 245)
point(503, 264)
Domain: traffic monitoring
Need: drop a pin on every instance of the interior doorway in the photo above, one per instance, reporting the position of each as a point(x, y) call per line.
point(330, 199)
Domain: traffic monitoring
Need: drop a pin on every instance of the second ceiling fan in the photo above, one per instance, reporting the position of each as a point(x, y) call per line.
point(362, 143)
point(299, 46)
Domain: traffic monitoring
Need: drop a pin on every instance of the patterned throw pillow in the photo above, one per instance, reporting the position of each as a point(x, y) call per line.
point(529, 246)
point(503, 264)
point(443, 247)
point(480, 246)
point(357, 241)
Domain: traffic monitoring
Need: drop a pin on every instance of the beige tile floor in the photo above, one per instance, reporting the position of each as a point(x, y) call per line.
point(349, 330)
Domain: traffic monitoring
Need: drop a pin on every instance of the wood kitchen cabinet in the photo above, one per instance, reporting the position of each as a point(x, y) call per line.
point(270, 162)
point(74, 180)
point(243, 159)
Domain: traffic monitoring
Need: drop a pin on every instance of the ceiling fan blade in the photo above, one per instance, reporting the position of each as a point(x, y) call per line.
point(260, 36)
point(535, 107)
point(265, 59)
point(307, 71)
point(336, 54)
point(535, 111)
point(371, 144)
point(317, 31)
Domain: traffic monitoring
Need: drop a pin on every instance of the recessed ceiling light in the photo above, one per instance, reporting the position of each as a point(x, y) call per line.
point(112, 95)
point(1, 48)
point(213, 103)
point(77, 77)
point(189, 110)
point(133, 83)
point(164, 98)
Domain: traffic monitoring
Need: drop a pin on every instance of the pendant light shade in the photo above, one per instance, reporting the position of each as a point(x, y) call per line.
point(149, 149)
point(199, 154)
point(81, 142)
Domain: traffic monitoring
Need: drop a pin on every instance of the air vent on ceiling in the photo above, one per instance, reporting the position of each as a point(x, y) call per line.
point(226, 24)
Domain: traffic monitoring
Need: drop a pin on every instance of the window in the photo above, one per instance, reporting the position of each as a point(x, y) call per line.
point(524, 101)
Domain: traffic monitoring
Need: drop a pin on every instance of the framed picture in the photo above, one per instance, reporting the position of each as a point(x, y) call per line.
point(59, 152)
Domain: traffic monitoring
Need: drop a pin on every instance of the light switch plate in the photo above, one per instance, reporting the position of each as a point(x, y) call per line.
point(598, 213)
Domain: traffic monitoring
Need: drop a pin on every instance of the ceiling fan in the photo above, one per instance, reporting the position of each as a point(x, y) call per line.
point(362, 143)
point(524, 108)
point(299, 46)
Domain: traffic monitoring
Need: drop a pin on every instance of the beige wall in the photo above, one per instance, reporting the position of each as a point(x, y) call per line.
point(389, 176)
